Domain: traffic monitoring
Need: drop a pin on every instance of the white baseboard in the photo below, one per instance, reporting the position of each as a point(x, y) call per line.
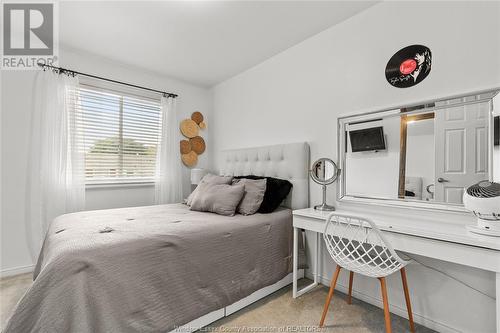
point(419, 319)
point(16, 271)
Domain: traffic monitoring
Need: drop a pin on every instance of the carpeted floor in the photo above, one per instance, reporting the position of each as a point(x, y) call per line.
point(11, 290)
point(278, 312)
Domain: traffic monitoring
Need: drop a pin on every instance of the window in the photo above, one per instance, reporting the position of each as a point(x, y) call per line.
point(120, 136)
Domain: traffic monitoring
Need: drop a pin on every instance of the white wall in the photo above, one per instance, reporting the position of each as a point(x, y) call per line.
point(16, 102)
point(420, 153)
point(298, 95)
point(383, 165)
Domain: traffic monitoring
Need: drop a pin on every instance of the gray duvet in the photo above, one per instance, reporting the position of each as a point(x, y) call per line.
point(149, 269)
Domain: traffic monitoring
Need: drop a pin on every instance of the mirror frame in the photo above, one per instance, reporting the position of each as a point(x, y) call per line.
point(426, 106)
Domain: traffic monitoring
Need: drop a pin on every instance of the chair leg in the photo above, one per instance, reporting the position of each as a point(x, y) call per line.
point(351, 276)
point(330, 295)
point(407, 297)
point(387, 314)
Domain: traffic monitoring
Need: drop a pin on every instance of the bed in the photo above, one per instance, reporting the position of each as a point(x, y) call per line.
point(164, 268)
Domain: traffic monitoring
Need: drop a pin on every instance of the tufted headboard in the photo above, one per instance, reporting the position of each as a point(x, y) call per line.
point(286, 161)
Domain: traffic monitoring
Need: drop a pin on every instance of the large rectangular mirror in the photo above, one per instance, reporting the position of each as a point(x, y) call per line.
point(421, 155)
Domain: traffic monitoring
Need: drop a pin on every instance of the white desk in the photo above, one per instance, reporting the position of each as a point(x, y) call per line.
point(451, 243)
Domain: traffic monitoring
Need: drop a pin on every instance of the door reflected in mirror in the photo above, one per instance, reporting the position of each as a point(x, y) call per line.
point(428, 153)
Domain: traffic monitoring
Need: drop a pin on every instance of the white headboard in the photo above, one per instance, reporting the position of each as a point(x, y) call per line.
point(286, 161)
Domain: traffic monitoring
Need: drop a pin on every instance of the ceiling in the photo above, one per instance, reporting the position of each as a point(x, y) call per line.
point(202, 42)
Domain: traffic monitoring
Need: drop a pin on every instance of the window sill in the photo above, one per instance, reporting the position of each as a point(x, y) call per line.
point(96, 186)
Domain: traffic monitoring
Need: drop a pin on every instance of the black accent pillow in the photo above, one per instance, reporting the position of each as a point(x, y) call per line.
point(276, 191)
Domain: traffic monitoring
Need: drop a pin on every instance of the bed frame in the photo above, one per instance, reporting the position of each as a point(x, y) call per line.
point(286, 161)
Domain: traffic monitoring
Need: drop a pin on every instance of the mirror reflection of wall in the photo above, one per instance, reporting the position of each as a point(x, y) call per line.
point(371, 172)
point(329, 170)
point(419, 175)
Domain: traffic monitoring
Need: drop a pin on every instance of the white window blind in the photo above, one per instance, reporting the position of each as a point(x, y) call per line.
point(120, 136)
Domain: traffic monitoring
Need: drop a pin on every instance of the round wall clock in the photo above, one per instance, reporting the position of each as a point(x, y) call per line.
point(409, 66)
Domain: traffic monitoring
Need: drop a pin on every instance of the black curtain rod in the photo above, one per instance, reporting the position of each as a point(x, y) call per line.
point(65, 70)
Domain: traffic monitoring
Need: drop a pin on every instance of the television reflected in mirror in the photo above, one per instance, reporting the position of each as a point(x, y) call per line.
point(425, 154)
point(367, 139)
point(496, 126)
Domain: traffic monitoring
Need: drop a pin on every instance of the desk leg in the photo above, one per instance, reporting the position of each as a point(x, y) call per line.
point(498, 301)
point(317, 257)
point(295, 259)
point(296, 293)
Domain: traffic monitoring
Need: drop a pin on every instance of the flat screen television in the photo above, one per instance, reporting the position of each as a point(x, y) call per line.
point(367, 139)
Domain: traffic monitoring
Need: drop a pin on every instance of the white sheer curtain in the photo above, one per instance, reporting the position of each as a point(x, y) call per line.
point(56, 171)
point(168, 182)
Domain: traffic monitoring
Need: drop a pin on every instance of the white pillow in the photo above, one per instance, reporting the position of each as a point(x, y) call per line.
point(209, 179)
point(221, 199)
point(254, 194)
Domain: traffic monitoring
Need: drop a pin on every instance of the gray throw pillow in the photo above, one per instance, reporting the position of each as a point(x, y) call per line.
point(221, 199)
point(254, 194)
point(209, 179)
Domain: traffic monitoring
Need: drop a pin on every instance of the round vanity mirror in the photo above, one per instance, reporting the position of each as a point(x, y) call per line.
point(324, 172)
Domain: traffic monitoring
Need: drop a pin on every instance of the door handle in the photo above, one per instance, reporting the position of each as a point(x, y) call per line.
point(442, 180)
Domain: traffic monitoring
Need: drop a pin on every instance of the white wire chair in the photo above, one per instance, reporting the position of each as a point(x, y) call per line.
point(357, 244)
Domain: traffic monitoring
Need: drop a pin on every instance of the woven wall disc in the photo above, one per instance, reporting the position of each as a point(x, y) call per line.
point(189, 128)
point(197, 117)
point(197, 144)
point(202, 125)
point(185, 146)
point(190, 159)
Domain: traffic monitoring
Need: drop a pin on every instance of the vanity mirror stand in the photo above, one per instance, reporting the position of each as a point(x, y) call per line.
point(324, 172)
